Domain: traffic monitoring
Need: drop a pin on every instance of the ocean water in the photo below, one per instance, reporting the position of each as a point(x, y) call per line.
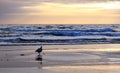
point(35, 34)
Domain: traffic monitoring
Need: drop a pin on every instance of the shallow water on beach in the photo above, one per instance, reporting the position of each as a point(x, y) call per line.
point(90, 58)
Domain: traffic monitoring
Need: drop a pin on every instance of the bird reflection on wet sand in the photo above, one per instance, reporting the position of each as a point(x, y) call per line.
point(39, 58)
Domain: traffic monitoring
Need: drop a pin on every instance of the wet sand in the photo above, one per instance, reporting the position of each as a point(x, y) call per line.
point(94, 58)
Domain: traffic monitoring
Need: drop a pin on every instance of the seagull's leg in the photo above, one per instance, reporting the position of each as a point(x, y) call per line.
point(39, 54)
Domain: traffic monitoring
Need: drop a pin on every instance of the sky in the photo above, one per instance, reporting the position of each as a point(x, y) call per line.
point(59, 11)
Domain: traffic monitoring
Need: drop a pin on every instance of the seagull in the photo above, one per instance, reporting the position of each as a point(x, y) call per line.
point(39, 50)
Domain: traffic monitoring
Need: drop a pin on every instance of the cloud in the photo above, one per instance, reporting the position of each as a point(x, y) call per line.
point(76, 1)
point(9, 7)
point(73, 9)
point(20, 10)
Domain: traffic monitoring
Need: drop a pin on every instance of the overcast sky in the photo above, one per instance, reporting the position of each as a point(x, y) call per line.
point(59, 12)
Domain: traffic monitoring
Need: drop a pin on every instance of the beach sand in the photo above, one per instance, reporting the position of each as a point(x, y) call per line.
point(93, 58)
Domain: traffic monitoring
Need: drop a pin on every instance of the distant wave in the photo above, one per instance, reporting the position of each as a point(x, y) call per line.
point(61, 34)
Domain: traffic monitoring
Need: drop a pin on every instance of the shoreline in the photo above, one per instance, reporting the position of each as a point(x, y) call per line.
point(35, 44)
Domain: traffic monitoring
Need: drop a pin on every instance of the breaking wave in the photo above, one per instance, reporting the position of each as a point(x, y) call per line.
point(59, 34)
